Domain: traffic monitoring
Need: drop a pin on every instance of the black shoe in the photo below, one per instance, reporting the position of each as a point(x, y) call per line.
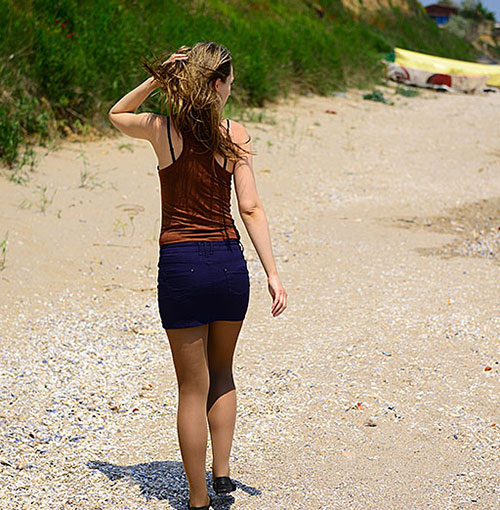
point(206, 507)
point(223, 485)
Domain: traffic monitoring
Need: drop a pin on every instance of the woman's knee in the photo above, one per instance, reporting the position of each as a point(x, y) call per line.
point(194, 384)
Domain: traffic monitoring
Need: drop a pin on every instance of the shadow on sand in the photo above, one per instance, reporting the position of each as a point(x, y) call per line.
point(166, 481)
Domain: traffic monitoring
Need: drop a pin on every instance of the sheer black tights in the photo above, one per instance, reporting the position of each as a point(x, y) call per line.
point(203, 358)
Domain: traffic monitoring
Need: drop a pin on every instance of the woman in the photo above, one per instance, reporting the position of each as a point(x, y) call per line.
point(203, 280)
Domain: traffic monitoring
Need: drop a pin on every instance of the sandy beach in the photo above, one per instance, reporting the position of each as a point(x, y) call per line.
point(378, 387)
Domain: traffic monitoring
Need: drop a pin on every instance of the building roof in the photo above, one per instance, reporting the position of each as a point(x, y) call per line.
point(440, 10)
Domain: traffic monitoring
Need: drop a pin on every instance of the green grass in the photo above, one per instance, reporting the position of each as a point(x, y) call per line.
point(377, 96)
point(43, 201)
point(403, 91)
point(61, 80)
point(3, 251)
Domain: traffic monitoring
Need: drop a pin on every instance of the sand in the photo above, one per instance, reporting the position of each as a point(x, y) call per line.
point(377, 388)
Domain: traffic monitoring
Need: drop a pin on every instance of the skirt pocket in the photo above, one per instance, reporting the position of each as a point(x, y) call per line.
point(176, 280)
point(237, 277)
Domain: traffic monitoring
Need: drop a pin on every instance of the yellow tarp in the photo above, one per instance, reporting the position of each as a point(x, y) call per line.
point(407, 58)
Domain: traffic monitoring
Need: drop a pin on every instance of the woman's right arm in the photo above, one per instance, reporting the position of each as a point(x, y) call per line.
point(254, 218)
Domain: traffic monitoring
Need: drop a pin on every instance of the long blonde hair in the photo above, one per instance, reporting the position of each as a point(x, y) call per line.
point(193, 104)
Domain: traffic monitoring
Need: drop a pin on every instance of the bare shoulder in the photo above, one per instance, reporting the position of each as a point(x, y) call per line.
point(161, 130)
point(238, 132)
point(158, 125)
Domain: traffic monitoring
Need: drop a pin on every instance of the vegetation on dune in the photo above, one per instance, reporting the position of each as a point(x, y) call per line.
point(64, 63)
point(472, 21)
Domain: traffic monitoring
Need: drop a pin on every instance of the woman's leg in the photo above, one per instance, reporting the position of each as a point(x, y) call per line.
point(221, 403)
point(189, 351)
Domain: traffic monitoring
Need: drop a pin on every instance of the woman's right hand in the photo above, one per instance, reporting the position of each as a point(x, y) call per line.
point(278, 294)
point(176, 56)
point(173, 58)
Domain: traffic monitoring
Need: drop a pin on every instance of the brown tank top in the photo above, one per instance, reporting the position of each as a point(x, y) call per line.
point(195, 201)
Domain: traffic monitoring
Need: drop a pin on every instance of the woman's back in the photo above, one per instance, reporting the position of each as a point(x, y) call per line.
point(195, 195)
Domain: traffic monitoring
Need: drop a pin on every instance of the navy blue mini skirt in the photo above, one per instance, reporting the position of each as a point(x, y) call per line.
point(202, 281)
